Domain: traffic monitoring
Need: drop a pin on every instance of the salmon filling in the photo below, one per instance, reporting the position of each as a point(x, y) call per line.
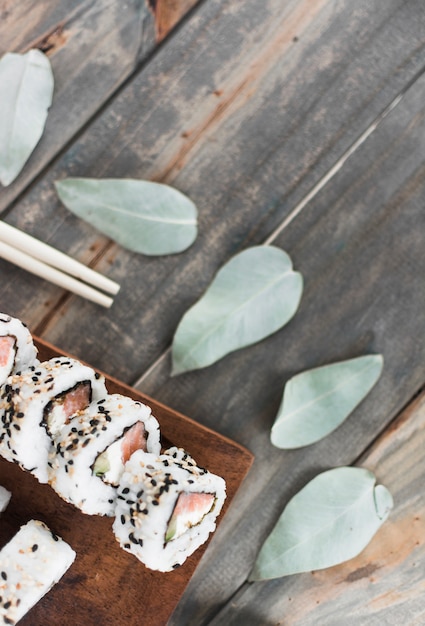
point(109, 465)
point(189, 510)
point(66, 404)
point(7, 354)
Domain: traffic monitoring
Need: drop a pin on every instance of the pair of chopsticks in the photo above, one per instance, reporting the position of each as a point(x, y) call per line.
point(44, 261)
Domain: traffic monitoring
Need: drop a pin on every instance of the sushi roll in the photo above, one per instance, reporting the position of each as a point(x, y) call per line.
point(166, 508)
point(32, 562)
point(87, 462)
point(35, 405)
point(5, 496)
point(17, 350)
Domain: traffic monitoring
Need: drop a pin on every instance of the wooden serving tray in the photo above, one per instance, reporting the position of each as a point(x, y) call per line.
point(106, 585)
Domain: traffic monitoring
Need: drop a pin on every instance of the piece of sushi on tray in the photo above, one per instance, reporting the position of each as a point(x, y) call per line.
point(32, 562)
point(166, 507)
point(87, 462)
point(5, 496)
point(17, 350)
point(36, 404)
point(101, 453)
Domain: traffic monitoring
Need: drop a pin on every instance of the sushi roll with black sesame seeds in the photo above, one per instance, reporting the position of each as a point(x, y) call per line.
point(5, 496)
point(36, 404)
point(87, 462)
point(17, 350)
point(166, 508)
point(32, 562)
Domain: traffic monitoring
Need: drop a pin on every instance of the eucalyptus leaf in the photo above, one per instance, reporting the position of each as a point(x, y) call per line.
point(140, 215)
point(331, 520)
point(251, 297)
point(316, 402)
point(26, 92)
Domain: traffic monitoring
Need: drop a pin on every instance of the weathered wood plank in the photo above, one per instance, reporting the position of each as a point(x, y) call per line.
point(257, 124)
point(93, 48)
point(384, 584)
point(360, 248)
point(255, 153)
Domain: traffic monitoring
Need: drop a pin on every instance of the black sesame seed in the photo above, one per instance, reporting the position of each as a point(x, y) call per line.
point(35, 547)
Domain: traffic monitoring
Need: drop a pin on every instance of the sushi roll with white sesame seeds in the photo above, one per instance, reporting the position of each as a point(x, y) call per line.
point(17, 350)
point(166, 508)
point(5, 496)
point(87, 462)
point(32, 562)
point(36, 404)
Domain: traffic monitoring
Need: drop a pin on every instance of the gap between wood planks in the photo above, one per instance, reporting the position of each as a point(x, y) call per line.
point(53, 33)
point(300, 206)
point(338, 165)
point(397, 422)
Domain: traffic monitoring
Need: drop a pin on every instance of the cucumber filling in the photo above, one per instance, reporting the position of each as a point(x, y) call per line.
point(109, 465)
point(189, 510)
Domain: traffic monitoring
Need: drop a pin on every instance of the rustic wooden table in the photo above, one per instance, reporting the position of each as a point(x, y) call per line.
point(294, 122)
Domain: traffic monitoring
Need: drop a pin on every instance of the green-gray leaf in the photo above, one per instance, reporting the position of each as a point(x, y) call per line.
point(26, 92)
point(140, 215)
point(331, 520)
point(251, 297)
point(317, 401)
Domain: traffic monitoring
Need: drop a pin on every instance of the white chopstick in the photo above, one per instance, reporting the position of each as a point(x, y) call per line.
point(55, 258)
point(46, 262)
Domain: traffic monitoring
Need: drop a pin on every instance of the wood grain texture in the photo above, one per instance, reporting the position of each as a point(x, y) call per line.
point(384, 584)
point(105, 584)
point(241, 167)
point(93, 48)
point(246, 111)
point(359, 247)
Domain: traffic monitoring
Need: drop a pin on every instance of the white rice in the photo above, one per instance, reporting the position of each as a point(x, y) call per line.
point(30, 564)
point(147, 495)
point(81, 442)
point(24, 437)
point(24, 354)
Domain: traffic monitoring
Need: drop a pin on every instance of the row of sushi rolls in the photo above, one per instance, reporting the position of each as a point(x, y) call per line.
point(101, 453)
